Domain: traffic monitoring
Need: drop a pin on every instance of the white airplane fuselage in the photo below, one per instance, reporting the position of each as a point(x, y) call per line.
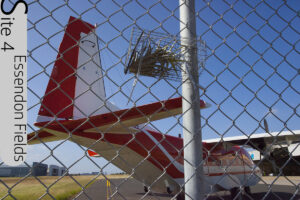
point(156, 159)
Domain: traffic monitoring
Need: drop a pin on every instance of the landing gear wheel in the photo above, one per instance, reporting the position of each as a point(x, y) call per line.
point(247, 190)
point(169, 191)
point(236, 194)
point(146, 189)
point(180, 196)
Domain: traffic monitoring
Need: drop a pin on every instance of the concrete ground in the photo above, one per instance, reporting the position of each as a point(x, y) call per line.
point(281, 180)
point(270, 188)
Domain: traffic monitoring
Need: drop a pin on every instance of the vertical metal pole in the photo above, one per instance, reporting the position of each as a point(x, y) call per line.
point(192, 137)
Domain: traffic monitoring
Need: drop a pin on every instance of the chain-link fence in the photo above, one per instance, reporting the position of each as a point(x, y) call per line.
point(105, 81)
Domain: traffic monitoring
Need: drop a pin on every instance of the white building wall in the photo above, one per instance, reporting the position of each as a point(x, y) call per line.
point(294, 149)
point(255, 155)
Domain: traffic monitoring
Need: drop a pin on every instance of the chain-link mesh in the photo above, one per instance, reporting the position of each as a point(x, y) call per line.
point(248, 73)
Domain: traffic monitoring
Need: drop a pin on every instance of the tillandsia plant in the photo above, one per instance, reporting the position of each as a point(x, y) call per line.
point(156, 61)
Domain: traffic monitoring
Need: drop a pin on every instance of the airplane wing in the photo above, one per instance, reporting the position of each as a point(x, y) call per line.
point(260, 141)
point(122, 121)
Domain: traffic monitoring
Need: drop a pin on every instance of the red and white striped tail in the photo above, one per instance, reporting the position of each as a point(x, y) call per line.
point(76, 86)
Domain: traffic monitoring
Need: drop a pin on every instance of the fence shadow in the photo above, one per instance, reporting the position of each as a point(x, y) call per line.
point(261, 195)
point(262, 191)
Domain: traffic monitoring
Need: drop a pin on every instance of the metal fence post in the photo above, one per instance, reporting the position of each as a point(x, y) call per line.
point(193, 167)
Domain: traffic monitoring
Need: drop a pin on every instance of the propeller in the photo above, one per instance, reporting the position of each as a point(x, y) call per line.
point(266, 126)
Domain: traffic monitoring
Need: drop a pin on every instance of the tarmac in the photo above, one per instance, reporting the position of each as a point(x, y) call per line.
point(270, 188)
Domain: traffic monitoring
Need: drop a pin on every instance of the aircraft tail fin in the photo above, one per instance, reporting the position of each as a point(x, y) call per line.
point(76, 85)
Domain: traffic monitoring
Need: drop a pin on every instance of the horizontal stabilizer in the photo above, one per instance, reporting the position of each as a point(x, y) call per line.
point(40, 137)
point(124, 121)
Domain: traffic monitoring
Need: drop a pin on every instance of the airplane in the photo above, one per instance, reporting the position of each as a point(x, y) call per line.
point(75, 108)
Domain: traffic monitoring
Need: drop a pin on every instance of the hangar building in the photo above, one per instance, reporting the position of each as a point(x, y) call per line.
point(55, 170)
point(39, 169)
point(18, 171)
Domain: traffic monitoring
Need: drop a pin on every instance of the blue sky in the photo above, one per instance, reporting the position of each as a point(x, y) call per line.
point(252, 59)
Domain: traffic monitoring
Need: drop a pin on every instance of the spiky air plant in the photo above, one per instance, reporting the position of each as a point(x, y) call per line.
point(158, 56)
point(157, 61)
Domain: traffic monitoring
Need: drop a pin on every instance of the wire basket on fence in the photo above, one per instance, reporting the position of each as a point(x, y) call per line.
point(159, 55)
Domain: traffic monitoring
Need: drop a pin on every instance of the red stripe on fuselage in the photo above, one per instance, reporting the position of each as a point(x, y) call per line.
point(231, 173)
point(140, 143)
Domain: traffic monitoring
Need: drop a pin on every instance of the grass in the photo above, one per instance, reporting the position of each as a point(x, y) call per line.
point(31, 188)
